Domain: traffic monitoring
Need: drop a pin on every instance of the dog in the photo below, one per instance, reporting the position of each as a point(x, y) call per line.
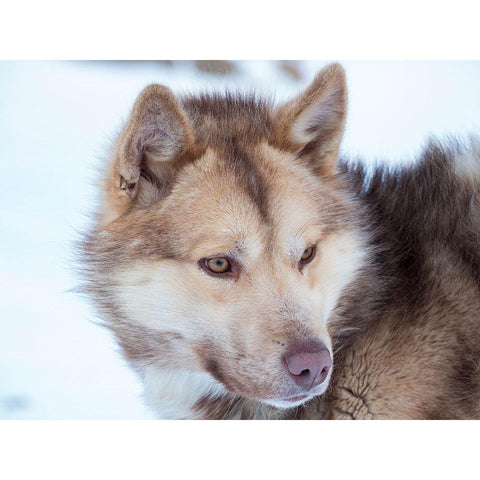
point(248, 272)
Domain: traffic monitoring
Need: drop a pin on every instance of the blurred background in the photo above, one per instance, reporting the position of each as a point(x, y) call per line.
point(57, 120)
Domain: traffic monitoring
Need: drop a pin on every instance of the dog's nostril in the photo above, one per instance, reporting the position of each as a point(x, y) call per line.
point(305, 372)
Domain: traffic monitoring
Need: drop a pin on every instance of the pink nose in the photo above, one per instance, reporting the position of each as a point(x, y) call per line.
point(308, 363)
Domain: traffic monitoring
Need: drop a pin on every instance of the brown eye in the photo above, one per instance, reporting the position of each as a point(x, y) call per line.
point(308, 255)
point(218, 265)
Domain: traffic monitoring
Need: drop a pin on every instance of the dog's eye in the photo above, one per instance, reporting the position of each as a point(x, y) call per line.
point(307, 256)
point(218, 265)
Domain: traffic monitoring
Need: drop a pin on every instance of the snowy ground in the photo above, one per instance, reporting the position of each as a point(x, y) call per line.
point(56, 119)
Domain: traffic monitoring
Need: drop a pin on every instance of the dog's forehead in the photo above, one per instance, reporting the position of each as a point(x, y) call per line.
point(244, 199)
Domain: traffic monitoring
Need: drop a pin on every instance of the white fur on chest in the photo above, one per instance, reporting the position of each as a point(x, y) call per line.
point(173, 394)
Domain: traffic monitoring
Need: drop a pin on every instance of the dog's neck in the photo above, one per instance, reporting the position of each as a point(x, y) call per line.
point(233, 407)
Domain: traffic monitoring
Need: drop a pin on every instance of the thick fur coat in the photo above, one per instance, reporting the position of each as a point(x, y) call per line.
point(380, 272)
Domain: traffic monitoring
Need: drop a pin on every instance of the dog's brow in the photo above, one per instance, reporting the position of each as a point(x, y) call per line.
point(311, 222)
point(294, 246)
point(240, 246)
point(309, 233)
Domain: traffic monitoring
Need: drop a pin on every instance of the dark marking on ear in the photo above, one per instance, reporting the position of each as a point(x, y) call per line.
point(129, 188)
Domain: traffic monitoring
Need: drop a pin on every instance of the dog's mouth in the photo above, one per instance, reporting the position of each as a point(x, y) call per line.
point(304, 373)
point(292, 401)
point(289, 402)
point(296, 399)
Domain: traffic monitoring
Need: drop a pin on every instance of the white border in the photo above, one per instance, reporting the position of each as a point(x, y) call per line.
point(246, 450)
point(250, 29)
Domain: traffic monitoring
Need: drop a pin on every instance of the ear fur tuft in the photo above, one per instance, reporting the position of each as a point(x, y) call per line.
point(314, 121)
point(155, 137)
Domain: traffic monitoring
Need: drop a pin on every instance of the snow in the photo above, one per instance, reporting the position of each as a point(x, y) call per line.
point(56, 121)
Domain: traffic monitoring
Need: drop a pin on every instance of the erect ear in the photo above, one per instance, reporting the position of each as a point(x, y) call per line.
point(155, 139)
point(314, 121)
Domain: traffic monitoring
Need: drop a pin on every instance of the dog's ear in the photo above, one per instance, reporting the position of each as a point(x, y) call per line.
point(314, 121)
point(155, 140)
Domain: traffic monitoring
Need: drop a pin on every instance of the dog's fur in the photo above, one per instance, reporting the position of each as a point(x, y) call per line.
point(393, 291)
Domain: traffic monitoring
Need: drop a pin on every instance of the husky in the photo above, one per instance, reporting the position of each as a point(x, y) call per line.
point(248, 272)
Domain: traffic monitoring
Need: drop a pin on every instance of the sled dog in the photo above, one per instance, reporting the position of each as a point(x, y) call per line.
point(248, 272)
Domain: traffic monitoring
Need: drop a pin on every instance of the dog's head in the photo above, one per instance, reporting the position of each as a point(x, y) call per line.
point(224, 241)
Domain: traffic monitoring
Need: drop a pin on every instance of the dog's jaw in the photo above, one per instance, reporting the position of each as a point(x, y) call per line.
point(173, 395)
